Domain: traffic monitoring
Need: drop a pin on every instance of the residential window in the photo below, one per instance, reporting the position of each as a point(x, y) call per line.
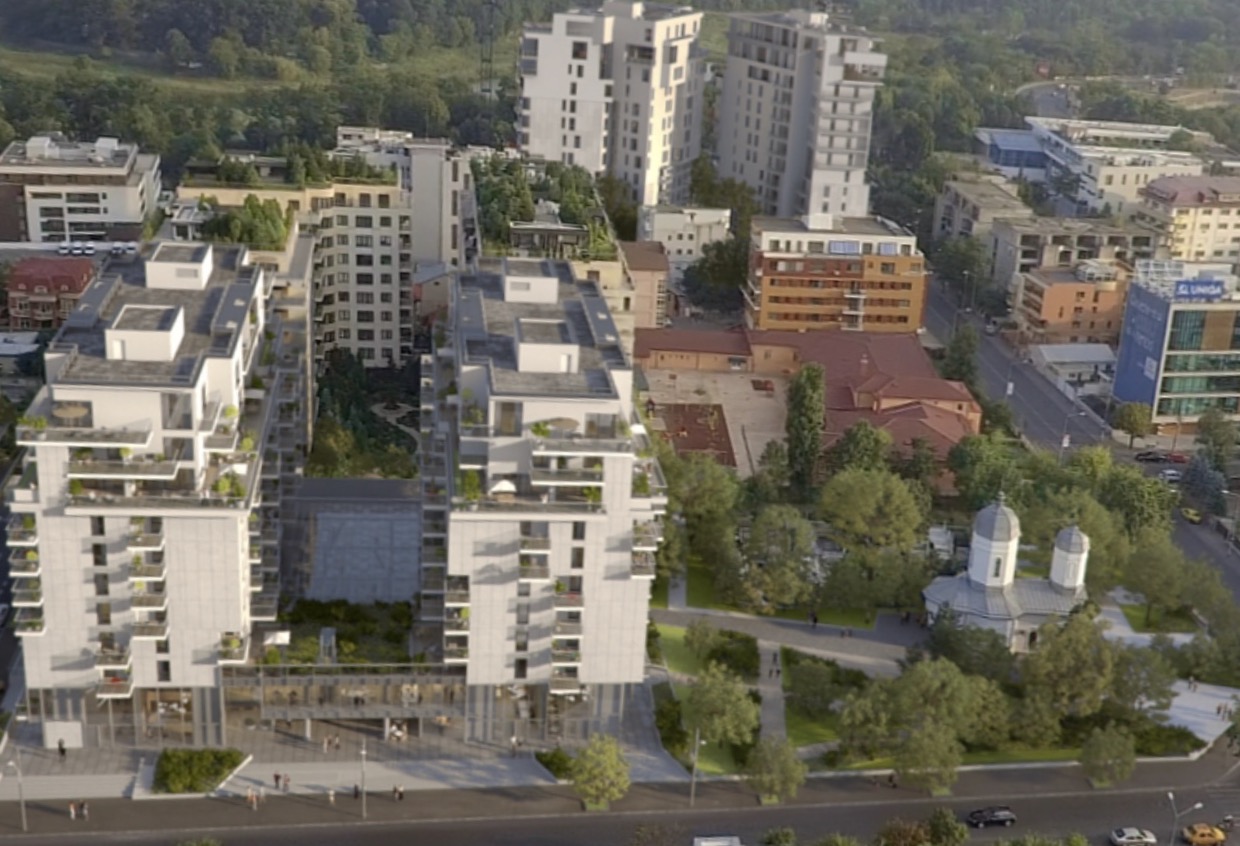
point(96, 526)
point(99, 553)
point(579, 531)
point(163, 671)
point(103, 614)
point(102, 587)
point(365, 317)
point(579, 558)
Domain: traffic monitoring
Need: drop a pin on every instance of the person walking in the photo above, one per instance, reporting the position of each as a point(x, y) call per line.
point(357, 792)
point(73, 810)
point(394, 796)
point(277, 780)
point(400, 793)
point(287, 783)
point(60, 747)
point(85, 809)
point(331, 797)
point(775, 657)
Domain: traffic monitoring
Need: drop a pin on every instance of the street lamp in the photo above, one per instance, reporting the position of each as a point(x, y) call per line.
point(1063, 436)
point(697, 745)
point(1176, 814)
point(363, 778)
point(16, 764)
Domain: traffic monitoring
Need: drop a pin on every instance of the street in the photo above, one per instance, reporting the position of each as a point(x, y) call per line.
point(1090, 813)
point(1042, 413)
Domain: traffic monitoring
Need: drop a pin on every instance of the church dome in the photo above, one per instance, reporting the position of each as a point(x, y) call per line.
point(997, 523)
point(1072, 540)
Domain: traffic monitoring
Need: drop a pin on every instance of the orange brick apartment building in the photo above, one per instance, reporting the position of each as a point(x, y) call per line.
point(822, 272)
point(1084, 304)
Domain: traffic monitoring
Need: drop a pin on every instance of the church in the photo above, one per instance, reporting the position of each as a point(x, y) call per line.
point(989, 595)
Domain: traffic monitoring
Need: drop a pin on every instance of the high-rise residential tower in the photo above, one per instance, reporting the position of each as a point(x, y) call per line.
point(795, 112)
point(617, 90)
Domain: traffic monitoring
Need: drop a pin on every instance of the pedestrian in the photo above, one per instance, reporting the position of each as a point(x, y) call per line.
point(842, 634)
point(331, 797)
point(357, 792)
point(770, 674)
point(891, 780)
point(287, 783)
point(778, 672)
point(326, 742)
point(514, 745)
point(249, 796)
point(336, 742)
point(85, 809)
point(394, 796)
point(277, 779)
point(73, 810)
point(775, 657)
point(813, 619)
point(400, 793)
point(60, 746)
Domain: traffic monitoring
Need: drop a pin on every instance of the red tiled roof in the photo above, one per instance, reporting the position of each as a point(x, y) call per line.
point(644, 255)
point(58, 274)
point(729, 342)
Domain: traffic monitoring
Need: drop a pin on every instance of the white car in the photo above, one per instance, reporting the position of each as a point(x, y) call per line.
point(89, 249)
point(1171, 476)
point(1133, 837)
point(63, 249)
point(78, 248)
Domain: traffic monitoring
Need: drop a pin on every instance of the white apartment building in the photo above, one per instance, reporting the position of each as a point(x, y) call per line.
point(683, 232)
point(541, 499)
point(795, 112)
point(1107, 163)
point(1199, 216)
point(618, 90)
point(144, 529)
point(53, 189)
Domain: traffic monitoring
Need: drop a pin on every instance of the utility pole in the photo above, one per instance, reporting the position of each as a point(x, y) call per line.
point(363, 778)
point(697, 745)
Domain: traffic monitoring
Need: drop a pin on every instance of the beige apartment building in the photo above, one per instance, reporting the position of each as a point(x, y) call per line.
point(646, 271)
point(1081, 304)
point(969, 206)
point(1020, 246)
point(1197, 216)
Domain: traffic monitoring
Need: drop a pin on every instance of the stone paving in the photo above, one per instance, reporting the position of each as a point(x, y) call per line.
point(366, 557)
point(770, 685)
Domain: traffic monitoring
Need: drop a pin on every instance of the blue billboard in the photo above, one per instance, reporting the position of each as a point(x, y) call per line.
point(1199, 291)
point(1141, 345)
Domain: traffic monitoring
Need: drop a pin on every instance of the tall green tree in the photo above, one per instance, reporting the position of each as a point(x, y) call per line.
point(600, 772)
point(1216, 437)
point(873, 508)
point(1072, 666)
point(718, 707)
point(774, 770)
point(804, 427)
point(862, 447)
point(960, 357)
point(983, 465)
point(1135, 419)
point(1109, 755)
point(1156, 571)
point(780, 543)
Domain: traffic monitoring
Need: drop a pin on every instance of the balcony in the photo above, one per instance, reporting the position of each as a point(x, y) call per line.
point(566, 628)
point(435, 527)
point(233, 649)
point(564, 685)
point(147, 572)
point(454, 654)
point(567, 444)
point(567, 599)
point(113, 659)
point(29, 622)
point(537, 544)
point(138, 542)
point(647, 537)
point(434, 555)
point(28, 597)
point(22, 531)
point(533, 573)
point(457, 598)
point(115, 685)
point(456, 623)
point(432, 610)
point(37, 432)
point(150, 600)
point(538, 504)
point(565, 657)
point(89, 468)
point(150, 630)
point(24, 563)
point(264, 607)
point(576, 476)
point(643, 565)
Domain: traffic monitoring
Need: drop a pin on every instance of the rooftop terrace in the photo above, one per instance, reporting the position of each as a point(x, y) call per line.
point(55, 151)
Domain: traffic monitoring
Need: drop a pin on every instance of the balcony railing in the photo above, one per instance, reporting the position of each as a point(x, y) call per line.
point(565, 684)
point(577, 445)
point(643, 565)
point(150, 631)
point(89, 469)
point(456, 624)
point(22, 565)
point(30, 598)
point(567, 600)
point(21, 535)
point(510, 503)
point(116, 685)
point(153, 600)
point(647, 536)
point(565, 656)
point(144, 542)
point(535, 543)
point(452, 654)
point(533, 572)
point(456, 597)
point(74, 436)
point(233, 649)
point(566, 629)
point(576, 476)
point(156, 501)
point(113, 659)
point(434, 555)
point(29, 622)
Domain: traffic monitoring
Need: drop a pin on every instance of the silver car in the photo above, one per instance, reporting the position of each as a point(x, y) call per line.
point(1133, 837)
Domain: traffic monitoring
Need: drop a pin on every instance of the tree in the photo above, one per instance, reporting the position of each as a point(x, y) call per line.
point(929, 757)
point(960, 357)
point(961, 263)
point(770, 483)
point(600, 773)
point(780, 543)
point(975, 650)
point(1108, 755)
point(815, 689)
point(1156, 571)
point(900, 832)
point(862, 447)
point(1216, 435)
point(873, 508)
point(1142, 680)
point(945, 829)
point(774, 771)
point(779, 837)
point(701, 637)
point(714, 281)
point(180, 52)
point(658, 835)
point(719, 708)
point(1135, 419)
point(1072, 666)
point(983, 465)
point(1142, 501)
point(224, 57)
point(1206, 484)
point(804, 427)
point(920, 464)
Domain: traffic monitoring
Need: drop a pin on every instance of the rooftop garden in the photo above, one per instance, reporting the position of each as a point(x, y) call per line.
point(259, 224)
point(297, 166)
point(509, 191)
point(365, 634)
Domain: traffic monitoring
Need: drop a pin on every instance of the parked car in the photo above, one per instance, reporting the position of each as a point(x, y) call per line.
point(63, 249)
point(88, 249)
point(1171, 476)
point(1150, 456)
point(1133, 837)
point(1192, 515)
point(77, 248)
point(1203, 834)
point(1177, 458)
point(995, 815)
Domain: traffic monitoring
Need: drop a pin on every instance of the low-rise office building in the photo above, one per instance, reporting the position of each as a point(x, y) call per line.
point(1082, 304)
point(820, 272)
point(53, 189)
point(1198, 216)
point(1177, 349)
point(683, 231)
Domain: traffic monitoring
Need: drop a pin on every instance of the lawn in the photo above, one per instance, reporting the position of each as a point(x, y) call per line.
point(713, 759)
point(806, 731)
point(1012, 755)
point(1170, 622)
point(678, 657)
point(700, 590)
point(658, 594)
point(852, 618)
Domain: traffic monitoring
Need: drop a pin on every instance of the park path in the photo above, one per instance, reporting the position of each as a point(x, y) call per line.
point(771, 686)
point(678, 594)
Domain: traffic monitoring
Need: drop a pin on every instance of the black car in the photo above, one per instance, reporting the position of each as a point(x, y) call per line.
point(998, 815)
point(1150, 457)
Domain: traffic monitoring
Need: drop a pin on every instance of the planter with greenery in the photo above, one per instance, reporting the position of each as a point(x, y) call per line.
point(470, 486)
point(540, 430)
point(558, 762)
point(194, 770)
point(76, 488)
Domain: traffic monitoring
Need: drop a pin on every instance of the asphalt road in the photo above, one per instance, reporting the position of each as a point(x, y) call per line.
point(1042, 413)
point(1091, 814)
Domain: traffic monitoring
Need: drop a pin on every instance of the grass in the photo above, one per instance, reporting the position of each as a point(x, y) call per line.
point(806, 731)
point(1033, 571)
point(714, 36)
point(1178, 621)
point(700, 593)
point(700, 590)
point(658, 594)
point(1011, 755)
point(679, 658)
point(713, 759)
point(852, 618)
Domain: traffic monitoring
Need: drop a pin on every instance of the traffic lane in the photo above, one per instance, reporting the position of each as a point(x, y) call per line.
point(1203, 543)
point(1090, 813)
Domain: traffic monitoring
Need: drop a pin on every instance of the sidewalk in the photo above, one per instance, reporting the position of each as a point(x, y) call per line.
point(989, 785)
point(771, 686)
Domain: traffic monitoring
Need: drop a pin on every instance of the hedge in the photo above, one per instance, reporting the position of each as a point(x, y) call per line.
point(558, 762)
point(194, 770)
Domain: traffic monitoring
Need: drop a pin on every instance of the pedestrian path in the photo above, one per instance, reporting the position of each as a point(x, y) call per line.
point(678, 593)
point(770, 686)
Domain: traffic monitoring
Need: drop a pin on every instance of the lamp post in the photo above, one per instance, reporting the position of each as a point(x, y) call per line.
point(363, 778)
point(1176, 813)
point(697, 745)
point(1063, 436)
point(16, 764)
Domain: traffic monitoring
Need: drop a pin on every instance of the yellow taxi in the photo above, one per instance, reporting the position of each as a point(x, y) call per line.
point(1203, 834)
point(1192, 515)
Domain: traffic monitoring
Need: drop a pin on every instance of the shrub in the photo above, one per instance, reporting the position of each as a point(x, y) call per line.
point(1156, 740)
point(558, 762)
point(741, 751)
point(654, 649)
point(672, 732)
point(194, 770)
point(738, 652)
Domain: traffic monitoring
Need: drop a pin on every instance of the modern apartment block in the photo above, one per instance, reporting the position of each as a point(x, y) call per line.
point(1198, 216)
point(1023, 245)
point(684, 232)
point(853, 273)
point(618, 90)
point(968, 207)
point(541, 498)
point(144, 524)
point(1103, 165)
point(795, 112)
point(1082, 304)
point(54, 189)
point(1177, 350)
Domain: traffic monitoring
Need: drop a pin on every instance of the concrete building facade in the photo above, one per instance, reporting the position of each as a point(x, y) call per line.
point(795, 112)
point(541, 509)
point(1083, 304)
point(616, 90)
point(646, 271)
point(856, 274)
point(683, 231)
point(144, 524)
point(53, 189)
point(968, 207)
point(1024, 245)
point(1198, 216)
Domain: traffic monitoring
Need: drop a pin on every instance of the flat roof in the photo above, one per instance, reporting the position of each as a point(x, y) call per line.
point(1076, 353)
point(868, 226)
point(44, 151)
point(987, 193)
point(579, 316)
point(1022, 140)
point(1205, 190)
point(210, 318)
point(172, 253)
